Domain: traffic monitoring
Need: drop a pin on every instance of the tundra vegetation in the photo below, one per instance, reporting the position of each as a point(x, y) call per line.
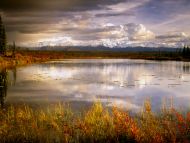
point(97, 124)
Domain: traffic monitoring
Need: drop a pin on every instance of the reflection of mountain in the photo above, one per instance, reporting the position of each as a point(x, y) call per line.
point(3, 86)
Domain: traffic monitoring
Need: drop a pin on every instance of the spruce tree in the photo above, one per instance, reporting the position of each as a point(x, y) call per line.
point(188, 51)
point(2, 38)
point(184, 51)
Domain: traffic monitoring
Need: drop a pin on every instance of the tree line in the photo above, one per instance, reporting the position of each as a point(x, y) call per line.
point(186, 51)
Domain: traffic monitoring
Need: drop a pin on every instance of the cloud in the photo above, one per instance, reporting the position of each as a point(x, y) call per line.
point(103, 22)
point(55, 5)
point(175, 39)
point(172, 36)
point(113, 14)
point(163, 10)
point(31, 12)
point(138, 32)
point(107, 34)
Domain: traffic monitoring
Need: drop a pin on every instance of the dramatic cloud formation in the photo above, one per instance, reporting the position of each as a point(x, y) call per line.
point(97, 22)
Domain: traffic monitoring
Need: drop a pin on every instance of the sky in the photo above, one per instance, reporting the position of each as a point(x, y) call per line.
point(112, 23)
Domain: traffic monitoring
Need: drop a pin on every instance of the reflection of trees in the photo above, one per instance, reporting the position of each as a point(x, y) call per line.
point(186, 68)
point(14, 75)
point(3, 86)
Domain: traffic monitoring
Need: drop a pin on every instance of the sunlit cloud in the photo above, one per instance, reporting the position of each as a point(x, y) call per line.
point(110, 23)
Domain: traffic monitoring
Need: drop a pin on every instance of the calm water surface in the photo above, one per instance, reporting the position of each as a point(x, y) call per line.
point(122, 83)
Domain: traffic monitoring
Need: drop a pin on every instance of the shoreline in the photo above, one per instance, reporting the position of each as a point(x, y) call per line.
point(31, 57)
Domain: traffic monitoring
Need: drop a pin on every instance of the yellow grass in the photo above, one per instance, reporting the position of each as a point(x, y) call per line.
point(59, 124)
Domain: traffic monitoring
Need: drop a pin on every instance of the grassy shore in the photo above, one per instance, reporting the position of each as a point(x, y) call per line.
point(106, 54)
point(21, 58)
point(96, 125)
point(28, 57)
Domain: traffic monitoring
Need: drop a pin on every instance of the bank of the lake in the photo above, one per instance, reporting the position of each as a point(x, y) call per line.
point(29, 57)
point(96, 125)
point(20, 59)
point(175, 56)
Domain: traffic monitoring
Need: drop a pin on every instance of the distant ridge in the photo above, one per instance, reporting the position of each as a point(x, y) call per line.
point(103, 48)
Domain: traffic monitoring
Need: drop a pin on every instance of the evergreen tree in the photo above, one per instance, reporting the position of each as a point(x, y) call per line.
point(2, 38)
point(184, 51)
point(188, 51)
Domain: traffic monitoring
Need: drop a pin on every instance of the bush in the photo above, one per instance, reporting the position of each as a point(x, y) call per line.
point(59, 124)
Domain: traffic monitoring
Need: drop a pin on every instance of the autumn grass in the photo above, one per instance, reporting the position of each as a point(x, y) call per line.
point(97, 124)
point(106, 55)
point(29, 57)
point(20, 59)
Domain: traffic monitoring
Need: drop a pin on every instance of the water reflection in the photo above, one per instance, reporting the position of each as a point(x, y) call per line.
point(3, 86)
point(186, 68)
point(125, 83)
point(14, 71)
point(7, 78)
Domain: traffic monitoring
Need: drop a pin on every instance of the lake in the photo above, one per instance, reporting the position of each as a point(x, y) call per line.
point(115, 82)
